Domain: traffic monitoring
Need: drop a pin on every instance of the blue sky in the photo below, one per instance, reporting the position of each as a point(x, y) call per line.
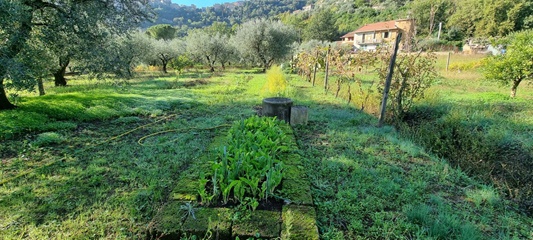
point(201, 3)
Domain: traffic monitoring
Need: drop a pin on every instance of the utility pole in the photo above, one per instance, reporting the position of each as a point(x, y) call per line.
point(440, 29)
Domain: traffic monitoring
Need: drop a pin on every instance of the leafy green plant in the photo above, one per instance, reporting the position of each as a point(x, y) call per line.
point(248, 169)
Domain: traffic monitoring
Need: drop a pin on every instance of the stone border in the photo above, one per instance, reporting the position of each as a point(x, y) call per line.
point(297, 219)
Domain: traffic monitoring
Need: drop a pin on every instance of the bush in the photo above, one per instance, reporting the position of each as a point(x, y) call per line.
point(140, 68)
point(276, 83)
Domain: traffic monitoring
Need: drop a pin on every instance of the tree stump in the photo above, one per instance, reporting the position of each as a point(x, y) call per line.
point(299, 115)
point(277, 107)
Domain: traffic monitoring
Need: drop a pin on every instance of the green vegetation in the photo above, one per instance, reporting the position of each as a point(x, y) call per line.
point(276, 83)
point(366, 182)
point(478, 128)
point(249, 164)
point(102, 159)
point(515, 65)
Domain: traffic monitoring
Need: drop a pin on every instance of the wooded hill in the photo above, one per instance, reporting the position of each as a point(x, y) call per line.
point(460, 19)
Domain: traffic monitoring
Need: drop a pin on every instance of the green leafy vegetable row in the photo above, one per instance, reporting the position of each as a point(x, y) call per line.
point(248, 168)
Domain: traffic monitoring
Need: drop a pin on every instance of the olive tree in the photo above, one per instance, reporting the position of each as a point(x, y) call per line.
point(23, 20)
point(119, 55)
point(264, 41)
point(209, 47)
point(163, 51)
point(516, 65)
point(161, 31)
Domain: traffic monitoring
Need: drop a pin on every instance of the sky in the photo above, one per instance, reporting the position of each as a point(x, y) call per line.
point(201, 3)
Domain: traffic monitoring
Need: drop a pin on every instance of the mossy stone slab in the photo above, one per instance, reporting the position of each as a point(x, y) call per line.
point(299, 222)
point(297, 191)
point(215, 220)
point(262, 224)
point(292, 159)
point(186, 189)
point(294, 172)
point(168, 221)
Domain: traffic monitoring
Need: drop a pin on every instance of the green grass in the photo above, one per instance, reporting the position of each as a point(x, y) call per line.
point(72, 167)
point(475, 125)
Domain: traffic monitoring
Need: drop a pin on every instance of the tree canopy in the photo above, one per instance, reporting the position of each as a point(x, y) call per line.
point(43, 22)
point(161, 31)
point(264, 41)
point(516, 64)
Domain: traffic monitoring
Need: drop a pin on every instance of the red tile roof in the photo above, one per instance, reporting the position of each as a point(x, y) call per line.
point(377, 26)
point(350, 34)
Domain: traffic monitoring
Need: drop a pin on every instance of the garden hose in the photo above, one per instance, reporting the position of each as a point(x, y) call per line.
point(135, 129)
point(98, 144)
point(140, 141)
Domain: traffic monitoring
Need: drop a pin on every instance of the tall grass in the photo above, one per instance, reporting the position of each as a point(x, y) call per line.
point(476, 126)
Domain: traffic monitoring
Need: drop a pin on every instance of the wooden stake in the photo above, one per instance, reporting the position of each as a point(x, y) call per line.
point(316, 66)
point(388, 81)
point(448, 61)
point(327, 71)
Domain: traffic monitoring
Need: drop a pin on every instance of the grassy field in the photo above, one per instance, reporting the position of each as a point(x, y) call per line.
point(72, 166)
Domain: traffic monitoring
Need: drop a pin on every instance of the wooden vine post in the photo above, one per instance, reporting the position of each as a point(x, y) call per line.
point(327, 71)
point(316, 66)
point(388, 81)
point(448, 61)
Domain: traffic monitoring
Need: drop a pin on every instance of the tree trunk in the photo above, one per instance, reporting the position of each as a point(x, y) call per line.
point(514, 87)
point(41, 87)
point(349, 93)
point(4, 101)
point(59, 75)
point(165, 66)
point(211, 67)
point(14, 46)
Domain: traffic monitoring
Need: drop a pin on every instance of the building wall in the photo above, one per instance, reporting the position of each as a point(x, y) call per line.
point(374, 38)
point(407, 25)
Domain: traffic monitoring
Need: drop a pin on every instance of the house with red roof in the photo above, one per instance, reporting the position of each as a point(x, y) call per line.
point(370, 36)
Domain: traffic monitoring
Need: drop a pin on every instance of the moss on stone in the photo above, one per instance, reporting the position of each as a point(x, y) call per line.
point(186, 189)
point(292, 159)
point(299, 222)
point(297, 191)
point(214, 220)
point(294, 172)
point(262, 224)
point(169, 220)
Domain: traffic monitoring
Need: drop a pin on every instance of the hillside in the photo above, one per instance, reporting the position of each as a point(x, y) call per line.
point(460, 19)
point(185, 17)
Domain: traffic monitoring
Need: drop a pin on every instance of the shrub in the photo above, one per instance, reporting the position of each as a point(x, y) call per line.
point(154, 68)
point(276, 83)
point(140, 68)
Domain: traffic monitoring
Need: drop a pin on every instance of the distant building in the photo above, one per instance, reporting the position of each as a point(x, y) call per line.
point(370, 36)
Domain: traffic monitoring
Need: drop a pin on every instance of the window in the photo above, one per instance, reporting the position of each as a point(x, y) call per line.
point(363, 39)
point(386, 35)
